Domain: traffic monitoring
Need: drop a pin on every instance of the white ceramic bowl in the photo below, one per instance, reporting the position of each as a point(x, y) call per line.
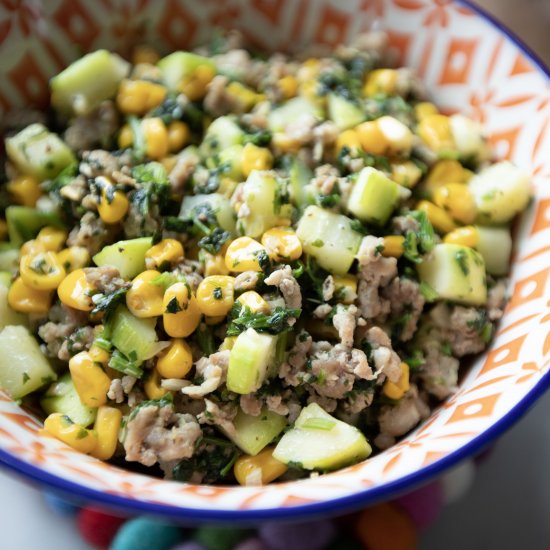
point(469, 63)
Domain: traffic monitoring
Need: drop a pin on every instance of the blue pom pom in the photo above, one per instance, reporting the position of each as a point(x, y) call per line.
point(299, 536)
point(60, 505)
point(146, 534)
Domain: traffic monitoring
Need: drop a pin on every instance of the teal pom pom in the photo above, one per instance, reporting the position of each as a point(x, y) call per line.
point(219, 538)
point(146, 534)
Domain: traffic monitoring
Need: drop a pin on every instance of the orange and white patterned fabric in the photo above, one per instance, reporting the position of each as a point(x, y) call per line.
point(467, 63)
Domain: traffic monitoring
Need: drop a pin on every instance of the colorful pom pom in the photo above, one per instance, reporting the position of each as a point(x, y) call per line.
point(386, 526)
point(301, 536)
point(97, 527)
point(146, 534)
point(424, 504)
point(457, 482)
point(219, 538)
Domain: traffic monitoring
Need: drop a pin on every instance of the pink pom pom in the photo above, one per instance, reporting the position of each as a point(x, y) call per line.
point(424, 504)
point(97, 527)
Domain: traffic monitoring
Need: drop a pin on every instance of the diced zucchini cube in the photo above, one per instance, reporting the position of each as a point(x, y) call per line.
point(221, 134)
point(9, 257)
point(456, 273)
point(133, 336)
point(38, 152)
point(373, 197)
point(495, 245)
point(127, 256)
point(291, 111)
point(318, 441)
point(343, 112)
point(220, 205)
point(25, 222)
point(329, 238)
point(176, 66)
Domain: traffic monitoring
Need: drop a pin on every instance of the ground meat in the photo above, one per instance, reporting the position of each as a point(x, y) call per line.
point(296, 359)
point(496, 300)
point(94, 129)
point(386, 361)
point(247, 280)
point(328, 288)
point(116, 392)
point(250, 404)
point(326, 403)
point(322, 311)
point(219, 101)
point(375, 272)
point(75, 190)
point(460, 327)
point(357, 402)
point(288, 285)
point(439, 373)
point(409, 84)
point(405, 300)
point(81, 339)
point(301, 130)
point(103, 163)
point(219, 415)
point(182, 171)
point(156, 434)
point(403, 224)
point(91, 233)
point(128, 383)
point(345, 321)
point(212, 370)
point(192, 271)
point(138, 222)
point(397, 420)
point(105, 279)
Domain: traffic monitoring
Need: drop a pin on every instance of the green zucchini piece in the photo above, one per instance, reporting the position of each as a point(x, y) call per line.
point(23, 366)
point(132, 336)
point(87, 82)
point(318, 441)
point(495, 245)
point(456, 273)
point(232, 159)
point(249, 362)
point(221, 134)
point(127, 256)
point(373, 197)
point(500, 192)
point(300, 176)
point(38, 152)
point(329, 238)
point(253, 433)
point(221, 206)
point(5, 281)
point(176, 66)
point(62, 397)
point(24, 222)
point(280, 117)
point(344, 113)
point(9, 257)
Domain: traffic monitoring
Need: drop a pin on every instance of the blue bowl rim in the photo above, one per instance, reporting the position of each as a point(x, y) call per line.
point(335, 506)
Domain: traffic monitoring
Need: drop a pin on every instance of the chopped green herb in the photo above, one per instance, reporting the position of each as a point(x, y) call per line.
point(318, 243)
point(461, 258)
point(214, 241)
point(173, 306)
point(242, 318)
point(26, 377)
point(428, 292)
point(217, 293)
point(121, 363)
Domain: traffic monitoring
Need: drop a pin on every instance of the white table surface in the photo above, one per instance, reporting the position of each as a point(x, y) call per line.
point(508, 507)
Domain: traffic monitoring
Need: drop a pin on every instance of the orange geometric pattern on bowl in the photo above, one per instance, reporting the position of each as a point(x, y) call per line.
point(466, 63)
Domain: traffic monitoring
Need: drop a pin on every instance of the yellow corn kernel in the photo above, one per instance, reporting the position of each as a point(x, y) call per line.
point(178, 136)
point(244, 254)
point(282, 244)
point(32, 247)
point(214, 265)
point(254, 301)
point(228, 343)
point(284, 143)
point(106, 426)
point(435, 132)
point(74, 257)
point(350, 139)
point(465, 236)
point(90, 381)
point(52, 238)
point(25, 190)
point(169, 162)
point(371, 138)
point(247, 97)
point(393, 246)
point(136, 97)
point(260, 469)
point(457, 200)
point(211, 321)
point(345, 288)
point(194, 85)
point(3, 229)
point(288, 86)
point(99, 355)
point(74, 435)
point(125, 137)
point(145, 54)
point(176, 361)
point(437, 216)
point(425, 109)
point(256, 158)
point(152, 387)
point(144, 297)
point(443, 172)
point(405, 173)
point(227, 186)
point(380, 81)
point(26, 299)
point(75, 291)
point(42, 271)
point(309, 70)
point(397, 390)
point(113, 205)
point(215, 295)
point(163, 254)
point(156, 137)
point(181, 311)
